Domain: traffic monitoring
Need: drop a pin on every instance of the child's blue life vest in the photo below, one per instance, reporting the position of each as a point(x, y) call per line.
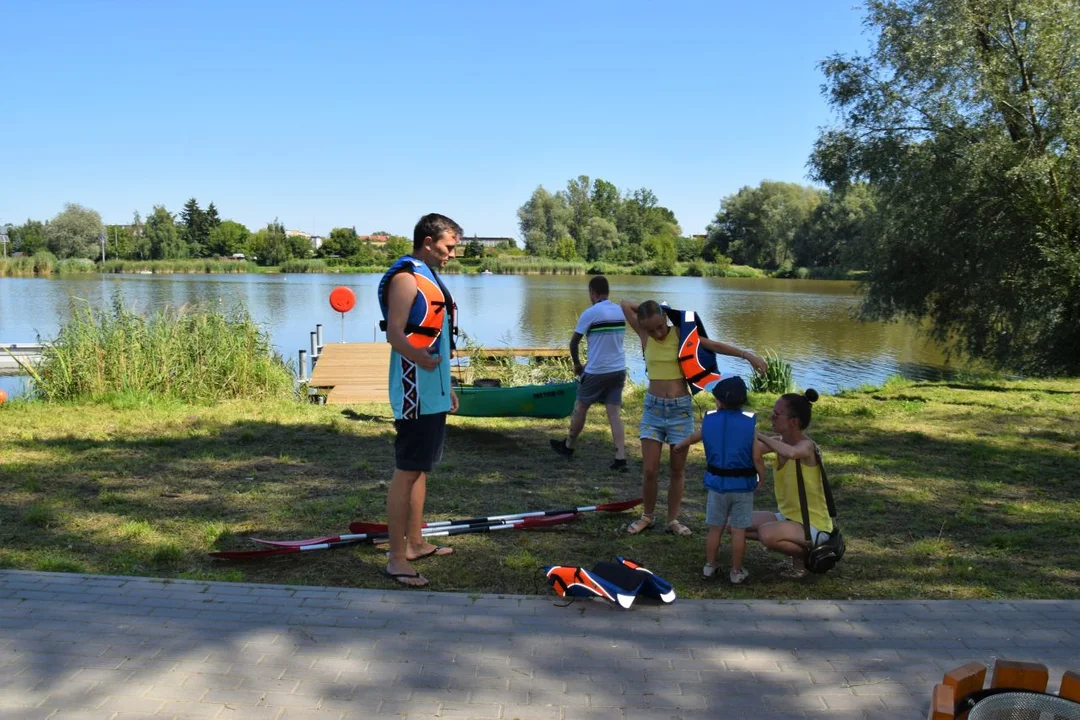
point(729, 437)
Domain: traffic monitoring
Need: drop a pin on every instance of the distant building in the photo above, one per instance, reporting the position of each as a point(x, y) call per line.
point(490, 242)
point(377, 240)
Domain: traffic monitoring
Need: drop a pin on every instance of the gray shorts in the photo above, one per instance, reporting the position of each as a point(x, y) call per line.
point(733, 508)
point(603, 388)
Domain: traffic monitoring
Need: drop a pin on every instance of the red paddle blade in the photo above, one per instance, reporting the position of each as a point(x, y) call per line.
point(538, 522)
point(620, 506)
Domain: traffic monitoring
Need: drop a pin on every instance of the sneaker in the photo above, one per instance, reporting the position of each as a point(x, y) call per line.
point(738, 576)
point(618, 465)
point(708, 571)
point(559, 446)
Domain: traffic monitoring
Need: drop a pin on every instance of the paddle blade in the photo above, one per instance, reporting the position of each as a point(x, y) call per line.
point(619, 506)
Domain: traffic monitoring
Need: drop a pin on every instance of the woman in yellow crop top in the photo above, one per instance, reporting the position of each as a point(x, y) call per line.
point(668, 415)
point(783, 531)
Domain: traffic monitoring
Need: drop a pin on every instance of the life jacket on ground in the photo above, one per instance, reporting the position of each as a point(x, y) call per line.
point(729, 450)
point(425, 321)
point(698, 365)
point(618, 582)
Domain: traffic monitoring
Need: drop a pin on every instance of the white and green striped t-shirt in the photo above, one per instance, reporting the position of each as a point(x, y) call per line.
point(604, 328)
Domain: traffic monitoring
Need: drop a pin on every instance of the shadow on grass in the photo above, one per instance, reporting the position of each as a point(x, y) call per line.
point(155, 503)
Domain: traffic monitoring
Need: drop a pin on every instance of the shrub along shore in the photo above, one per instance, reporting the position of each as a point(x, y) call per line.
point(46, 265)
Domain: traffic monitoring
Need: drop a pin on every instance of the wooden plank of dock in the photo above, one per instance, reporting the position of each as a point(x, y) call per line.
point(357, 372)
point(353, 373)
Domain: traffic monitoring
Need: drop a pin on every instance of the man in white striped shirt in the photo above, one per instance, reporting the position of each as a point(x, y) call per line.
point(603, 325)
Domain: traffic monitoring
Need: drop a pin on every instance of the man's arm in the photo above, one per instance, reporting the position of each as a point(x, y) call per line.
point(575, 347)
point(722, 348)
point(399, 299)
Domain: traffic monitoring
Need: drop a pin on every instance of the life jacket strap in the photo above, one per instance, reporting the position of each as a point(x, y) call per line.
point(731, 472)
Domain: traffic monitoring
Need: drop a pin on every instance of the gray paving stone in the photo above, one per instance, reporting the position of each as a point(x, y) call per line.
point(100, 646)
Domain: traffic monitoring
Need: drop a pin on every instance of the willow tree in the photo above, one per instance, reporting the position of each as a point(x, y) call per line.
point(965, 119)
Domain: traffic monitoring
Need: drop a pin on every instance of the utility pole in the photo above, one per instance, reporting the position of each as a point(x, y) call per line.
point(101, 238)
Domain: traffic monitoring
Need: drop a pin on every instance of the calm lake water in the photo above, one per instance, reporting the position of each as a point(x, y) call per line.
point(809, 322)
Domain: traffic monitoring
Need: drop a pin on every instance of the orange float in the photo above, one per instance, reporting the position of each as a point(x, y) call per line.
point(342, 299)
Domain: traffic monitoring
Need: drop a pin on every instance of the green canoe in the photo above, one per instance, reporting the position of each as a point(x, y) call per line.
point(541, 401)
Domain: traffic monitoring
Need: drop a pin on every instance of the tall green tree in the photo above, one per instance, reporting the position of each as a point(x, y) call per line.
point(343, 243)
point(396, 246)
point(227, 238)
point(578, 198)
point(840, 232)
point(196, 228)
point(601, 237)
point(140, 243)
point(28, 238)
point(606, 200)
point(75, 233)
point(163, 237)
point(757, 226)
point(213, 220)
point(270, 246)
point(965, 118)
point(544, 220)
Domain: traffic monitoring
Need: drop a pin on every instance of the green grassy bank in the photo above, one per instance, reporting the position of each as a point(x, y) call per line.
point(946, 490)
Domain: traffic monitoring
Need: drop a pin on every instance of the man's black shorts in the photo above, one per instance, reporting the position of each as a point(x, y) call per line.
point(419, 442)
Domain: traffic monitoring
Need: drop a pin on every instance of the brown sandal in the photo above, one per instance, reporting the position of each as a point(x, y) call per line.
point(643, 522)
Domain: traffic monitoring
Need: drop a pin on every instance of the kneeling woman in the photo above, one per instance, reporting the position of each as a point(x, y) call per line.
point(783, 531)
point(668, 415)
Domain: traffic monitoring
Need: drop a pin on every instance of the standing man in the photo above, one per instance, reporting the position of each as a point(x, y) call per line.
point(418, 317)
point(603, 376)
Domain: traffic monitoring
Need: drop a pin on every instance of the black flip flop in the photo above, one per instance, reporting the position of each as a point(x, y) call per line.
point(396, 577)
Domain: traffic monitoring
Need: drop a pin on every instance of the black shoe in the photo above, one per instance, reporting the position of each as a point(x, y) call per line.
point(618, 465)
point(559, 446)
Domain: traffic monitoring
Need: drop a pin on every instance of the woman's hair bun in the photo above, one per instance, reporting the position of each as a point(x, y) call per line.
point(811, 395)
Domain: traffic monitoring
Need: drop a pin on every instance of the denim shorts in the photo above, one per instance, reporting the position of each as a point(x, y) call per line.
point(732, 508)
point(667, 420)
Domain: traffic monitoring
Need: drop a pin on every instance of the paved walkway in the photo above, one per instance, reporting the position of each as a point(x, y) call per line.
point(79, 646)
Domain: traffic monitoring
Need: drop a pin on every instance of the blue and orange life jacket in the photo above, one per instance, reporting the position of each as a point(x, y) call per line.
point(729, 450)
point(698, 365)
point(425, 322)
point(619, 582)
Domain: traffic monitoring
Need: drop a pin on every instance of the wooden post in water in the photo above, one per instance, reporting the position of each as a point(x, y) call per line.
point(303, 366)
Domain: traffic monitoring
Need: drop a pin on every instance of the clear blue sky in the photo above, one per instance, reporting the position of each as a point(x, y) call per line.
point(329, 114)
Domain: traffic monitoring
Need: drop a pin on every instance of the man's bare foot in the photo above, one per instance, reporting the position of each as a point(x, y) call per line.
point(426, 549)
point(404, 574)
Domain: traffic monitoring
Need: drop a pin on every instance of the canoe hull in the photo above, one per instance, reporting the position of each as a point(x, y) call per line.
point(540, 401)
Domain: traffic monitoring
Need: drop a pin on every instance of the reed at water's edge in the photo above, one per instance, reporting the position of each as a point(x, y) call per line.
point(193, 354)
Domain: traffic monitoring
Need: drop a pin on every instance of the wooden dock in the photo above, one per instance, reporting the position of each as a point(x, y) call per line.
point(353, 373)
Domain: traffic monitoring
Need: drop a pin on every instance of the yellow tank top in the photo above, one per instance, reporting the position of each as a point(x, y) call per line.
point(787, 494)
point(662, 357)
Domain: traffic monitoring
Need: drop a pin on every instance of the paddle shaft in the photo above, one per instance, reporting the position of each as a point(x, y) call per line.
point(609, 507)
